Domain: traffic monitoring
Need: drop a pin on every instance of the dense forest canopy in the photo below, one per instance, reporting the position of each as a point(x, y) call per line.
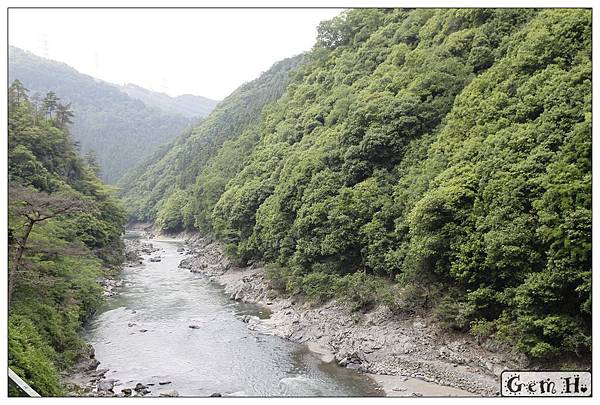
point(435, 159)
point(64, 233)
point(118, 128)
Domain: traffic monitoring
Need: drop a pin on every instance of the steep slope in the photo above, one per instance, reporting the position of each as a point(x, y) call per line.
point(64, 230)
point(435, 160)
point(118, 128)
point(187, 105)
point(174, 168)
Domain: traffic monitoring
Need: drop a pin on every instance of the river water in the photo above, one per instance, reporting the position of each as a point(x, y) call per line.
point(142, 335)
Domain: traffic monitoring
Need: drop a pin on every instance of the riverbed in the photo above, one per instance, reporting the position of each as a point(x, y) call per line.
point(168, 325)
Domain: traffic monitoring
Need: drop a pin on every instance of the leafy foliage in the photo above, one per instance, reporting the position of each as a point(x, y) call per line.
point(64, 229)
point(147, 187)
point(444, 153)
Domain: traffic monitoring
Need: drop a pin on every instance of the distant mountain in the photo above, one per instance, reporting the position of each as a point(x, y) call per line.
point(187, 104)
point(121, 129)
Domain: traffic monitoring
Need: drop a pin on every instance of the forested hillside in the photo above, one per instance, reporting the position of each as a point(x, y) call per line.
point(158, 185)
point(428, 159)
point(119, 129)
point(64, 230)
point(187, 104)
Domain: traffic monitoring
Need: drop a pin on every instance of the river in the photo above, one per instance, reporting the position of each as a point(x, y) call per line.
point(143, 334)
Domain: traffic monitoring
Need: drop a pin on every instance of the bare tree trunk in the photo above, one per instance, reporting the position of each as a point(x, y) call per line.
point(18, 256)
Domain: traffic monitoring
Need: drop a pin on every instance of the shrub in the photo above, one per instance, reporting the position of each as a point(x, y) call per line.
point(453, 313)
point(31, 358)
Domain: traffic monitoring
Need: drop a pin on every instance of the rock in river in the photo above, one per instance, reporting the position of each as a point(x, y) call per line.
point(106, 385)
point(168, 393)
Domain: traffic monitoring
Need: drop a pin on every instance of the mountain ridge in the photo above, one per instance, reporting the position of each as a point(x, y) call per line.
point(189, 105)
point(120, 129)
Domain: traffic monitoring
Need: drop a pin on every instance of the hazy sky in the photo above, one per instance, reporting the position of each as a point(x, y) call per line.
point(206, 52)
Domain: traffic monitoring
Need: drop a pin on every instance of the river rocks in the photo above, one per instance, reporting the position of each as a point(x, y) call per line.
point(106, 385)
point(141, 389)
point(180, 249)
point(126, 392)
point(92, 365)
point(143, 330)
point(148, 248)
point(216, 394)
point(250, 319)
point(356, 366)
point(132, 255)
point(155, 259)
point(375, 341)
point(101, 372)
point(185, 264)
point(168, 393)
point(109, 285)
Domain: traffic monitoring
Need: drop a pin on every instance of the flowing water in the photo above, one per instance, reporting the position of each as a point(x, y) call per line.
point(143, 335)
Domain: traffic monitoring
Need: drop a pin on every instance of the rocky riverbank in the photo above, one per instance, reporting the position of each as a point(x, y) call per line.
point(407, 355)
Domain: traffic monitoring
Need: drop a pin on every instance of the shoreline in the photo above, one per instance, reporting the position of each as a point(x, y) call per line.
point(86, 378)
point(405, 356)
point(418, 359)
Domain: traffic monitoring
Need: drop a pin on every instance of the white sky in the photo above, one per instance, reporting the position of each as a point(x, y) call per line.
point(207, 52)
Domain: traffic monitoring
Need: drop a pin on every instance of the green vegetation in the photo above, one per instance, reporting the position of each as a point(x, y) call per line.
point(154, 188)
point(428, 159)
point(120, 129)
point(64, 232)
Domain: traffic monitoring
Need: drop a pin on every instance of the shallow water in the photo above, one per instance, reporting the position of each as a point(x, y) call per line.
point(222, 355)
